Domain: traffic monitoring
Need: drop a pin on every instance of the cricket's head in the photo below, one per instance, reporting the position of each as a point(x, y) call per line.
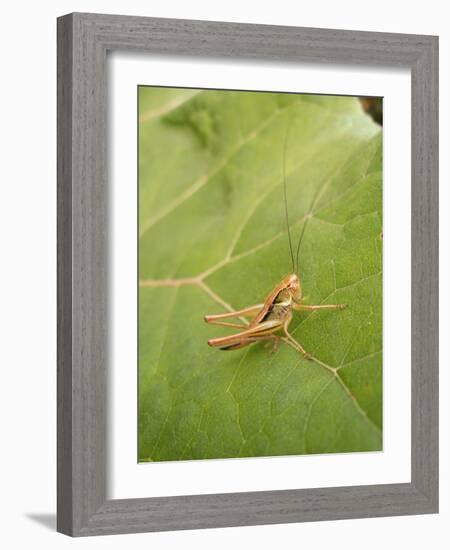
point(293, 286)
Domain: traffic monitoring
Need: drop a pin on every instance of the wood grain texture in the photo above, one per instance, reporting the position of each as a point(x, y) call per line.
point(425, 273)
point(83, 317)
point(64, 296)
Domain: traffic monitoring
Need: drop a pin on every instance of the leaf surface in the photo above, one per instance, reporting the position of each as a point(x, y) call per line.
point(212, 236)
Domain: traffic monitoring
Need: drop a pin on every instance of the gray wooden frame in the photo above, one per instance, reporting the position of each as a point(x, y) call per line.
point(83, 41)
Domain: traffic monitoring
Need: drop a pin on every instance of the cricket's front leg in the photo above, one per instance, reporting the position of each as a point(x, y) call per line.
point(273, 342)
point(294, 342)
point(304, 307)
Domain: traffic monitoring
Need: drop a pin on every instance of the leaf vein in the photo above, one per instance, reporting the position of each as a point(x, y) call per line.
point(203, 180)
point(165, 109)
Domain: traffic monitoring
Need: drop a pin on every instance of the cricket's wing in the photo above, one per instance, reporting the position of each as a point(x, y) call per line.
point(268, 302)
point(248, 336)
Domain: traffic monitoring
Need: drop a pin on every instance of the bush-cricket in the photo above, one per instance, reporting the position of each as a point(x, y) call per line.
point(274, 314)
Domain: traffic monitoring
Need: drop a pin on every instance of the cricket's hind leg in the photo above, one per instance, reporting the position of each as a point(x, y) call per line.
point(273, 341)
point(246, 312)
point(238, 345)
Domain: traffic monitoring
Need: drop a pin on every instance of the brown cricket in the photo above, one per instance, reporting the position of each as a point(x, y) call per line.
point(275, 313)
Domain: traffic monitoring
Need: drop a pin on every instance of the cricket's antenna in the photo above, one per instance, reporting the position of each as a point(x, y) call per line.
point(299, 243)
point(285, 194)
point(307, 218)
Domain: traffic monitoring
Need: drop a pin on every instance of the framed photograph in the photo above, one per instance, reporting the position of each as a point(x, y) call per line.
point(247, 274)
point(280, 199)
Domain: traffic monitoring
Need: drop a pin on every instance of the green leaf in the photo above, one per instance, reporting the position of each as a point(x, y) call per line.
point(212, 236)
